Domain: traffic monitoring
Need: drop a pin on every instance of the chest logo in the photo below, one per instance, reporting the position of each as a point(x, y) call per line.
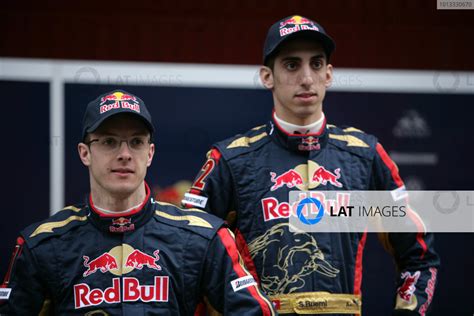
point(121, 260)
point(306, 177)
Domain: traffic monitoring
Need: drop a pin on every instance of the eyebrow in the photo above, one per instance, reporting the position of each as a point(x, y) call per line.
point(295, 58)
point(141, 133)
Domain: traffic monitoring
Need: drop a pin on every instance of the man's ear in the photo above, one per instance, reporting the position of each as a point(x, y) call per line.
point(84, 154)
point(151, 153)
point(329, 76)
point(266, 76)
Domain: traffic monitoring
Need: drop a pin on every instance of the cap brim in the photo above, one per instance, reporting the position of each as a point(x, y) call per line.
point(96, 125)
point(328, 44)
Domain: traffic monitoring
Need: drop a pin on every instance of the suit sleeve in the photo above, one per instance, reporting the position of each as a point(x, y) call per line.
point(229, 288)
point(23, 292)
point(417, 262)
point(212, 189)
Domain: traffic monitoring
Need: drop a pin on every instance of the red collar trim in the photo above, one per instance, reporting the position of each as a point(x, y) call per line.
point(319, 133)
point(130, 213)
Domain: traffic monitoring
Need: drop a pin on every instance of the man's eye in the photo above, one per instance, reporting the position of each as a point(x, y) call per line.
point(291, 66)
point(109, 141)
point(317, 64)
point(137, 141)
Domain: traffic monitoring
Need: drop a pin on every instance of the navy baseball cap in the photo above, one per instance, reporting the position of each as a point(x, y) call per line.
point(292, 26)
point(111, 103)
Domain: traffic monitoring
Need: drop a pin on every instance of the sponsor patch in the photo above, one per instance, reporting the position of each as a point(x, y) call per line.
point(194, 200)
point(242, 283)
point(129, 290)
point(399, 193)
point(5, 293)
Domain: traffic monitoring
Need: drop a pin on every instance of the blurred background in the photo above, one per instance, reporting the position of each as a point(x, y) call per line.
point(404, 71)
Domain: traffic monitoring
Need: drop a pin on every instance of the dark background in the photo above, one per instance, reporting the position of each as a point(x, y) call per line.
point(369, 34)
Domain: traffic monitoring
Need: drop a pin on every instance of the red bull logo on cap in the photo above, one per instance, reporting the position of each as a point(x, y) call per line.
point(118, 100)
point(299, 24)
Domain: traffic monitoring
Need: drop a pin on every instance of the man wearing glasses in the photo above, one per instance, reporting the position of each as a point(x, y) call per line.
point(124, 253)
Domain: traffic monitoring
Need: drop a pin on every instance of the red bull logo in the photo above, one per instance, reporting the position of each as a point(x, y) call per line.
point(121, 225)
point(405, 292)
point(290, 179)
point(138, 260)
point(274, 209)
point(129, 290)
point(117, 96)
point(120, 100)
point(104, 263)
point(294, 20)
point(299, 24)
point(309, 143)
point(324, 176)
point(107, 261)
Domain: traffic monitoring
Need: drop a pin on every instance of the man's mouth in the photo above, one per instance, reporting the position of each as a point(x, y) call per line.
point(306, 95)
point(122, 171)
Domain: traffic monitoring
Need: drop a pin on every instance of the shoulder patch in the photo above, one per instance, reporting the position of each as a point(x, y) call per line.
point(352, 129)
point(245, 141)
point(258, 127)
point(190, 219)
point(351, 141)
point(58, 224)
point(48, 227)
point(198, 221)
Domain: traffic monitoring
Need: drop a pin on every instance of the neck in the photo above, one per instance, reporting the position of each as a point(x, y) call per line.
point(312, 128)
point(118, 203)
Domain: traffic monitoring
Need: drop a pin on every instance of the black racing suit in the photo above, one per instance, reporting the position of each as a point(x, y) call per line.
point(155, 260)
point(246, 180)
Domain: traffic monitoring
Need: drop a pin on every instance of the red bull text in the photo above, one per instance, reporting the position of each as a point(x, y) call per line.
point(273, 209)
point(129, 291)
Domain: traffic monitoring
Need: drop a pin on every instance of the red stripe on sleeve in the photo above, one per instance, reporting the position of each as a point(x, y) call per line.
point(16, 253)
point(398, 180)
point(245, 253)
point(215, 155)
point(390, 164)
point(358, 265)
point(421, 241)
point(233, 253)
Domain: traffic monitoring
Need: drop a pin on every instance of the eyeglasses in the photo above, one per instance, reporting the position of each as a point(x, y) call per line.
point(111, 144)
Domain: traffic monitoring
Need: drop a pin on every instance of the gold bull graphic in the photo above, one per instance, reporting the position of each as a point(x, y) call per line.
point(289, 265)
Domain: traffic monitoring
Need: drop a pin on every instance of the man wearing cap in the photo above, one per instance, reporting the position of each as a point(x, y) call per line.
point(122, 252)
point(247, 178)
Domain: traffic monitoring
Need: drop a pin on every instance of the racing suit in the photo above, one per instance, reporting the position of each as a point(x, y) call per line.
point(246, 180)
point(154, 260)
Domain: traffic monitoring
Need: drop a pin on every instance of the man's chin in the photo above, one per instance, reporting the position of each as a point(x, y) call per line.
point(122, 190)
